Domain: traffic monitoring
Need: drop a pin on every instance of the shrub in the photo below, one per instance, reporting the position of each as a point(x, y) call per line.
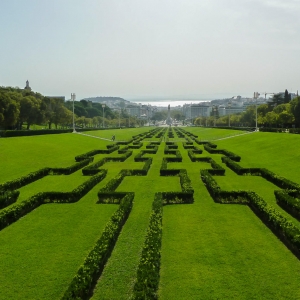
point(288, 201)
point(93, 265)
point(8, 197)
point(149, 266)
point(24, 180)
point(15, 212)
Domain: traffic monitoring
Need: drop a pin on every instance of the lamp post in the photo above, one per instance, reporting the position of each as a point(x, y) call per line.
point(256, 95)
point(103, 106)
point(73, 97)
point(229, 105)
point(214, 110)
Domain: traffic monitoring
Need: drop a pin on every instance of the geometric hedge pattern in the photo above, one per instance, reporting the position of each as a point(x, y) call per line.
point(147, 281)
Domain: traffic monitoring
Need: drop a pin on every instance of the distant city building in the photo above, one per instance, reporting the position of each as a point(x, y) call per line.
point(196, 110)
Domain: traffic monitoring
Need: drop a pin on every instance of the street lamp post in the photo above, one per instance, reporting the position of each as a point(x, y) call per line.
point(73, 97)
point(103, 106)
point(214, 110)
point(229, 105)
point(256, 95)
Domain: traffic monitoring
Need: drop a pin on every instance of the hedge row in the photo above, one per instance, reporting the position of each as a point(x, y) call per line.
point(8, 197)
point(107, 194)
point(139, 157)
point(177, 158)
point(34, 176)
point(238, 169)
point(265, 173)
point(110, 148)
point(201, 142)
point(217, 194)
point(12, 214)
point(148, 270)
point(94, 168)
point(124, 142)
point(71, 169)
point(279, 180)
point(283, 228)
point(87, 275)
point(216, 168)
point(213, 150)
point(24, 180)
point(288, 200)
point(15, 133)
point(136, 145)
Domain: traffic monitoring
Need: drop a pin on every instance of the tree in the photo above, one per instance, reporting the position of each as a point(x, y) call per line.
point(9, 109)
point(287, 97)
point(271, 118)
point(276, 100)
point(30, 111)
point(295, 110)
point(248, 117)
point(285, 118)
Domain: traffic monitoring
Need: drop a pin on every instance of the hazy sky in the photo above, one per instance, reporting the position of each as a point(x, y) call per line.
point(189, 49)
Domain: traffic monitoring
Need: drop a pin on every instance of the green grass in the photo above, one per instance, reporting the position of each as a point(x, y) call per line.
point(42, 251)
point(209, 250)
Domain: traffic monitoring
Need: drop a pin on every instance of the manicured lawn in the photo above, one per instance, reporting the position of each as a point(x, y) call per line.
point(209, 250)
point(42, 251)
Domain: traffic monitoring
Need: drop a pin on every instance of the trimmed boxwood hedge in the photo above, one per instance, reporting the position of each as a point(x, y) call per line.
point(24, 180)
point(288, 200)
point(15, 212)
point(284, 229)
point(148, 270)
point(88, 273)
point(8, 197)
point(110, 148)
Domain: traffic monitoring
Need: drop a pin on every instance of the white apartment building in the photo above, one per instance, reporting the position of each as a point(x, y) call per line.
point(196, 110)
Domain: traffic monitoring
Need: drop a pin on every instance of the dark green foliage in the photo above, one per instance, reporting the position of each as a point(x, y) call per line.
point(18, 183)
point(8, 197)
point(148, 269)
point(94, 168)
point(283, 228)
point(110, 148)
point(71, 169)
point(288, 200)
point(93, 265)
point(240, 170)
point(15, 133)
point(112, 184)
point(12, 214)
point(124, 142)
point(279, 180)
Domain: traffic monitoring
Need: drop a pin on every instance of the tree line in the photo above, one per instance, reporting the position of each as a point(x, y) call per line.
point(21, 108)
point(279, 112)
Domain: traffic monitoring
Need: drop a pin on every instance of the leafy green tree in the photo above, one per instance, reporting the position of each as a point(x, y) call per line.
point(248, 117)
point(276, 100)
point(271, 118)
point(30, 111)
point(9, 109)
point(287, 97)
point(295, 110)
point(286, 118)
